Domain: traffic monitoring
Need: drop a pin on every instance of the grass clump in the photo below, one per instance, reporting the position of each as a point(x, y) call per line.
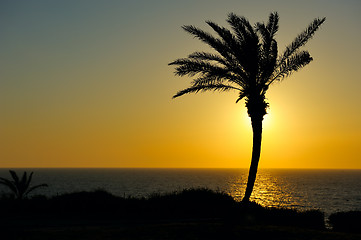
point(191, 203)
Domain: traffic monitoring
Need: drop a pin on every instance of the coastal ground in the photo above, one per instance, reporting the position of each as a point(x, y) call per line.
point(187, 230)
point(191, 214)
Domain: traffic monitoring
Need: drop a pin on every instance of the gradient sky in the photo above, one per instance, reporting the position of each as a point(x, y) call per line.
point(86, 84)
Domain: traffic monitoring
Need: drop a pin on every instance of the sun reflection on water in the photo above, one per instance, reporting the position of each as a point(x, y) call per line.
point(270, 190)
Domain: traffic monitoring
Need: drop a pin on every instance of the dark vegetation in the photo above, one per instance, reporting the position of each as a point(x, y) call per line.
point(187, 214)
point(183, 205)
point(346, 221)
point(180, 206)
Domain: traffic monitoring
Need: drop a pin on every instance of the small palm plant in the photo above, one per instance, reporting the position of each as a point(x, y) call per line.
point(20, 187)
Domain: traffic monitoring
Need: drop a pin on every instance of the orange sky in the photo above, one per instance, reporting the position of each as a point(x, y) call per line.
point(86, 84)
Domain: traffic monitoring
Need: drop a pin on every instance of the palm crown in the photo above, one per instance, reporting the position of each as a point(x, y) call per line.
point(247, 60)
point(20, 187)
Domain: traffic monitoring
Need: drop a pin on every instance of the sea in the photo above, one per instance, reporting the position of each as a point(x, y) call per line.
point(327, 190)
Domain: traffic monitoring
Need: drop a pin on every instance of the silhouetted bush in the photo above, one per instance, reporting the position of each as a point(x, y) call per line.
point(253, 213)
point(191, 203)
point(291, 217)
point(346, 221)
point(86, 202)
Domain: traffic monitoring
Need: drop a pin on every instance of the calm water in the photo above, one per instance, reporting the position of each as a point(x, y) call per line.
point(328, 190)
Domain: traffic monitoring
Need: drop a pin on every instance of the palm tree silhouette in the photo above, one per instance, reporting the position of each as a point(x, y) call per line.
point(246, 60)
point(20, 187)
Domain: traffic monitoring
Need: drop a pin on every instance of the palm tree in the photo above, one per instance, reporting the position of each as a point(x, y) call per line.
point(247, 61)
point(20, 187)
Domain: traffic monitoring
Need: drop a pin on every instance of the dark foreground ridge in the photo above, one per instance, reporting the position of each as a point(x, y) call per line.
point(188, 214)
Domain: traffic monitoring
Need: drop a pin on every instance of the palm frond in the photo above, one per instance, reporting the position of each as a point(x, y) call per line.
point(268, 61)
point(24, 179)
point(301, 39)
point(241, 27)
point(292, 64)
point(238, 51)
point(272, 25)
point(208, 57)
point(191, 67)
point(242, 95)
point(265, 34)
point(22, 185)
point(229, 40)
point(219, 60)
point(29, 179)
point(248, 55)
point(215, 43)
point(224, 33)
point(35, 187)
point(269, 48)
point(9, 184)
point(216, 77)
point(14, 176)
point(268, 32)
point(204, 88)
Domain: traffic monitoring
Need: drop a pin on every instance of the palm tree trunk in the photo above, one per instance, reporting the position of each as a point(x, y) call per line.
point(256, 152)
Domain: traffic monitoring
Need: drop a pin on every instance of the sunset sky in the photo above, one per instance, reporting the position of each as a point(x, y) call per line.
point(86, 84)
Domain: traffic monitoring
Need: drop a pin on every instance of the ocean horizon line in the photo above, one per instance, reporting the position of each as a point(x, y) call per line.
point(180, 168)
